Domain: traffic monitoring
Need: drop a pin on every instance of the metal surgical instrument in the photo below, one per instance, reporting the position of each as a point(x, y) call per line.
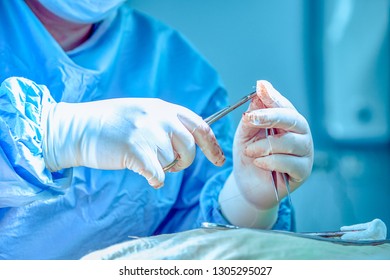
point(218, 115)
point(330, 236)
point(268, 132)
point(325, 234)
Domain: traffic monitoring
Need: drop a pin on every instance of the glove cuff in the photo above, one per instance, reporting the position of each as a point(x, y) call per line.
point(238, 211)
point(59, 139)
point(48, 139)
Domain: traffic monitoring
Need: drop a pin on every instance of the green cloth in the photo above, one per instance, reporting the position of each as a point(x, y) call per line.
point(213, 244)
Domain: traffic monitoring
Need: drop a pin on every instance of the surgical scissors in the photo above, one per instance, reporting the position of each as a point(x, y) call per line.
point(268, 132)
point(216, 116)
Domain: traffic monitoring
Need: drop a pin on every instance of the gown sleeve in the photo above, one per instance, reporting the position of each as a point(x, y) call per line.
point(24, 177)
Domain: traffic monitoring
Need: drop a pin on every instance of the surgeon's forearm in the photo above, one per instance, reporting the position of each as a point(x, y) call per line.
point(238, 211)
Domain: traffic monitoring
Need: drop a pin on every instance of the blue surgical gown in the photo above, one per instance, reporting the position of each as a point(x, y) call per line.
point(68, 214)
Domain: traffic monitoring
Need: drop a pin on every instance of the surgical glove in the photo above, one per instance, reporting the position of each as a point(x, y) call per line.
point(374, 230)
point(255, 156)
point(140, 134)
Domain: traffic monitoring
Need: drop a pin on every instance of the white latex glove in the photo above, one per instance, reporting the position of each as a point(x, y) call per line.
point(140, 134)
point(289, 151)
point(374, 230)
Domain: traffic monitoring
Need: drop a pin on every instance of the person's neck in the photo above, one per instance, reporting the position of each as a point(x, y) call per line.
point(68, 34)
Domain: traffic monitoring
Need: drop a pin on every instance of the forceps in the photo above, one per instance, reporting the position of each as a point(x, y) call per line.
point(218, 115)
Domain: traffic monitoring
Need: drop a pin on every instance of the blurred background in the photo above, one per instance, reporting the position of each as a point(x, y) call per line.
point(331, 59)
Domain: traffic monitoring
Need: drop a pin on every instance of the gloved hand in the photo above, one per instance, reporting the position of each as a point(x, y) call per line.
point(140, 134)
point(289, 151)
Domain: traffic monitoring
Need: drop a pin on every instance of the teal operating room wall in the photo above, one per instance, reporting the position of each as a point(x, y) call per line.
point(245, 40)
